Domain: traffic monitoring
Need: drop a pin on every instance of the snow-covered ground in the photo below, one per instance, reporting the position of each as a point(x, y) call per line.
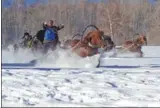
point(84, 86)
point(151, 57)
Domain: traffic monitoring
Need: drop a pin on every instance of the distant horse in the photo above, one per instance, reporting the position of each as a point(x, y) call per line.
point(135, 45)
point(33, 43)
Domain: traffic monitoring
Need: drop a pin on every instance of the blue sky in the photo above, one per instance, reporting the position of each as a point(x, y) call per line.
point(29, 2)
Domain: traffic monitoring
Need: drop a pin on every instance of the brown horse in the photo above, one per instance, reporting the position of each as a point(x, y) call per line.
point(135, 45)
point(88, 46)
point(72, 42)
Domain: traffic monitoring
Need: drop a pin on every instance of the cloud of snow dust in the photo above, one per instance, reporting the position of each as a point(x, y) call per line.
point(59, 58)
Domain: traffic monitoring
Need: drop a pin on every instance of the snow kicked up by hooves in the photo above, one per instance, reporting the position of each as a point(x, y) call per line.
point(54, 59)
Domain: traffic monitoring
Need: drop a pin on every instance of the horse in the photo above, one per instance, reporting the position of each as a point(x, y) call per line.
point(91, 41)
point(135, 45)
point(34, 43)
point(72, 42)
point(40, 35)
point(89, 45)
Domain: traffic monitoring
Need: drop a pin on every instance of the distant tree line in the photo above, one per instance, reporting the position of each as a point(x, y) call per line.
point(117, 18)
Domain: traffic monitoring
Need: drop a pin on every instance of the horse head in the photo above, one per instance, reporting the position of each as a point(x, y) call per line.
point(95, 39)
point(142, 40)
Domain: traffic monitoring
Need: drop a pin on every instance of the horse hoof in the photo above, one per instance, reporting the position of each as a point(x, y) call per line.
point(33, 61)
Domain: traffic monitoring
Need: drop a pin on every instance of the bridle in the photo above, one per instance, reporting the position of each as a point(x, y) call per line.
point(96, 46)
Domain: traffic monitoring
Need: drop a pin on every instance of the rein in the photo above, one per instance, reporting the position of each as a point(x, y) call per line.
point(93, 46)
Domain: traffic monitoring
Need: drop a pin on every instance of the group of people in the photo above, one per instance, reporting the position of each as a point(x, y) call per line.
point(49, 35)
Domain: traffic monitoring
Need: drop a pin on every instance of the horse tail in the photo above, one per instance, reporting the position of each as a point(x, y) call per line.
point(88, 27)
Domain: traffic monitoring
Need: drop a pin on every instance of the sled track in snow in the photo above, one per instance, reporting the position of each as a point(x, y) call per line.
point(32, 65)
point(112, 67)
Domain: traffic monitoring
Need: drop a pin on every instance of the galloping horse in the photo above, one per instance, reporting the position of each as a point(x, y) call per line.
point(72, 42)
point(90, 44)
point(136, 44)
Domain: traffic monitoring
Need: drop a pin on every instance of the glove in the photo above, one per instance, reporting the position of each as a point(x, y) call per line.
point(62, 25)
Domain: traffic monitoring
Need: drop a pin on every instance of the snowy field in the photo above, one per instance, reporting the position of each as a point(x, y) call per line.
point(85, 86)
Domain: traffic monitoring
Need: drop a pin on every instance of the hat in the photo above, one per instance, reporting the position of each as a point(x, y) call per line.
point(26, 33)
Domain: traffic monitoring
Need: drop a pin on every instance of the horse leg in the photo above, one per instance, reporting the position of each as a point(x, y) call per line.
point(87, 51)
point(45, 48)
point(140, 52)
point(81, 52)
point(16, 48)
point(54, 44)
point(114, 53)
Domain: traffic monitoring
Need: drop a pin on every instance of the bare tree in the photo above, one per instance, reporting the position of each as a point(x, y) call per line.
point(120, 19)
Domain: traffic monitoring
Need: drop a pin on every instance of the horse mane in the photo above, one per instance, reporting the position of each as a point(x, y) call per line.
point(88, 27)
point(78, 34)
